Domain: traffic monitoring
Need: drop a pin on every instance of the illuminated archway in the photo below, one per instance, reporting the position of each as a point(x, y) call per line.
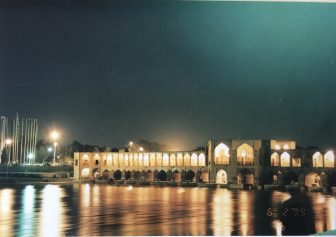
point(275, 159)
point(222, 154)
point(85, 173)
point(165, 159)
point(194, 159)
point(172, 160)
point(186, 159)
point(317, 160)
point(329, 160)
point(285, 160)
point(221, 177)
point(201, 159)
point(312, 179)
point(245, 155)
point(106, 174)
point(179, 159)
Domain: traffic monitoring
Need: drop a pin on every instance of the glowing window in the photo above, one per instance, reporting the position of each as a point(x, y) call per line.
point(179, 159)
point(126, 160)
point(193, 159)
point(329, 160)
point(146, 160)
point(317, 160)
point(165, 159)
point(285, 160)
point(201, 159)
point(140, 159)
point(186, 159)
point(172, 160)
point(275, 159)
point(245, 155)
point(152, 159)
point(159, 159)
point(222, 154)
point(85, 172)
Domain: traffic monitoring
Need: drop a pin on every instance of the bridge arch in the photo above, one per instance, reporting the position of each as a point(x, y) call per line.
point(85, 173)
point(106, 174)
point(190, 176)
point(312, 179)
point(162, 175)
point(117, 175)
point(221, 177)
point(222, 154)
point(128, 175)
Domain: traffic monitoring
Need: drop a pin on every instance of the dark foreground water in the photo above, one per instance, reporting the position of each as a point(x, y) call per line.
point(84, 209)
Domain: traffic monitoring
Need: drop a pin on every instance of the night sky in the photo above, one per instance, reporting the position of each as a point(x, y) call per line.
point(179, 73)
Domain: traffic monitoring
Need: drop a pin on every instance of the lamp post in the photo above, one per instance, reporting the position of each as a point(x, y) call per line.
point(55, 145)
point(141, 149)
point(54, 136)
point(30, 157)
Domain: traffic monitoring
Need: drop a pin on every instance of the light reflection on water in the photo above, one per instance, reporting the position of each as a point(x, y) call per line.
point(86, 210)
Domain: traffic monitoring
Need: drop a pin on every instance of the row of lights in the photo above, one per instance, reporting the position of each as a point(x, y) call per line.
point(54, 137)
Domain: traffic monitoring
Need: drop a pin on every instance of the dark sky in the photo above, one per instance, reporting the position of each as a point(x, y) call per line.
point(176, 72)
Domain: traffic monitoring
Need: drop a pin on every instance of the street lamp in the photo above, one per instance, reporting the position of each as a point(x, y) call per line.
point(30, 157)
point(131, 145)
point(54, 136)
point(55, 145)
point(141, 149)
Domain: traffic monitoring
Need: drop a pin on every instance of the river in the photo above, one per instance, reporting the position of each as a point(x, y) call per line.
point(92, 209)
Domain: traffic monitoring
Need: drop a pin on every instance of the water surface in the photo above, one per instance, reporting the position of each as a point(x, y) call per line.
point(87, 209)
